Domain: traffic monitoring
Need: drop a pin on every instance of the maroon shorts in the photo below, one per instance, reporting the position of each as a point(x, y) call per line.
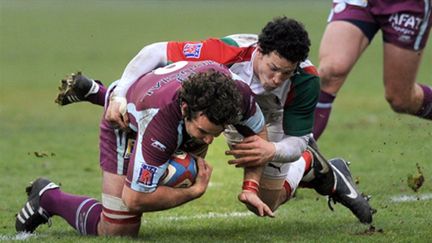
point(115, 148)
point(115, 145)
point(403, 23)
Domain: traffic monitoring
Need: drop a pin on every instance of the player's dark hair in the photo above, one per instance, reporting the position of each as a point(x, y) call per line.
point(213, 93)
point(287, 37)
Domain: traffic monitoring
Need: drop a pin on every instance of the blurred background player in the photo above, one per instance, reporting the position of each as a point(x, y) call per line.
point(181, 106)
point(405, 27)
point(286, 86)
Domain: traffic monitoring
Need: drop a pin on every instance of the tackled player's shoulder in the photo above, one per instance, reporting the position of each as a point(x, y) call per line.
point(307, 77)
point(308, 68)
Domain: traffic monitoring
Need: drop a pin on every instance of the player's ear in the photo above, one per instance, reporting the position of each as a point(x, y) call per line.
point(259, 53)
point(184, 109)
point(259, 49)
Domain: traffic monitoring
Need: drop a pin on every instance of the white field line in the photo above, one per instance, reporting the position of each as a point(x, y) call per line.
point(18, 237)
point(411, 198)
point(215, 184)
point(25, 236)
point(209, 215)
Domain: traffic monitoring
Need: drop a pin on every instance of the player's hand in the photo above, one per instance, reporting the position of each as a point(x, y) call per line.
point(116, 112)
point(254, 204)
point(252, 151)
point(203, 177)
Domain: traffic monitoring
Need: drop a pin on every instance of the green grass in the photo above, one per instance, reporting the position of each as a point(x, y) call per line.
point(41, 41)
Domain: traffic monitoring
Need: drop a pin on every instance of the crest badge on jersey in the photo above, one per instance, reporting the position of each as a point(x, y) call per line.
point(192, 50)
point(146, 174)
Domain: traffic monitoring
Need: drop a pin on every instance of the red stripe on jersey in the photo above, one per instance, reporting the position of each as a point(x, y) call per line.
point(290, 95)
point(210, 49)
point(311, 70)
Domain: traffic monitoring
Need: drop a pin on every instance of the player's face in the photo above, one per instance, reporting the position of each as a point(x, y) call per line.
point(272, 70)
point(201, 129)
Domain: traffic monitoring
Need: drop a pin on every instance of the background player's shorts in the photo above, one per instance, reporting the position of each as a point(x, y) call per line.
point(403, 23)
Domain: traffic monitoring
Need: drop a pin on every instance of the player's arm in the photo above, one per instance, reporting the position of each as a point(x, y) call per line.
point(297, 125)
point(252, 125)
point(250, 188)
point(160, 54)
point(255, 150)
point(149, 58)
point(298, 118)
point(254, 144)
point(252, 175)
point(143, 191)
point(168, 197)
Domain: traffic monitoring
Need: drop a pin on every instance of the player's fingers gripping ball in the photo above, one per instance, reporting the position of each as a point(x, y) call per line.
point(181, 172)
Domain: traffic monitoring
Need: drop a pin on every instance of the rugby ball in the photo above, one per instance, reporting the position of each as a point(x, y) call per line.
point(181, 171)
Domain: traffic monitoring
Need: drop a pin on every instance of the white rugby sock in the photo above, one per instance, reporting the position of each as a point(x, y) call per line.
point(295, 173)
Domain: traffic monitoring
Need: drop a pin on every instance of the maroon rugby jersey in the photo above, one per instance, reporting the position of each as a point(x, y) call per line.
point(154, 112)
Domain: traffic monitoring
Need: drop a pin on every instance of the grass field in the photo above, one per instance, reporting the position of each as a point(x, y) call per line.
point(42, 41)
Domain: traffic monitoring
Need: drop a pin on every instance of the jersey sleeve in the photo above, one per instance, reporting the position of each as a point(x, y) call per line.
point(252, 121)
point(149, 58)
point(210, 49)
point(153, 148)
point(298, 116)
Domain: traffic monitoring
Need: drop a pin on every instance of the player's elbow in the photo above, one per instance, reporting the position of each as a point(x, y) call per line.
point(134, 201)
point(133, 204)
point(138, 202)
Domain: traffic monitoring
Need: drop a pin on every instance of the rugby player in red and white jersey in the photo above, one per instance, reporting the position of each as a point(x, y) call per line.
point(286, 86)
point(182, 106)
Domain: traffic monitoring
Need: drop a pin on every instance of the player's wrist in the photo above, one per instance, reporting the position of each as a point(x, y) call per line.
point(250, 185)
point(119, 90)
point(121, 101)
point(273, 151)
point(196, 191)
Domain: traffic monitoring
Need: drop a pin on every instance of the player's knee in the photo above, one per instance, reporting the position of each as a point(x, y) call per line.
point(398, 103)
point(272, 202)
point(116, 211)
point(132, 205)
point(332, 76)
point(271, 192)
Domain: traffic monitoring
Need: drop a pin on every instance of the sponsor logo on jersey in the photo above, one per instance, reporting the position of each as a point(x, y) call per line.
point(156, 144)
point(192, 50)
point(406, 24)
point(146, 174)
